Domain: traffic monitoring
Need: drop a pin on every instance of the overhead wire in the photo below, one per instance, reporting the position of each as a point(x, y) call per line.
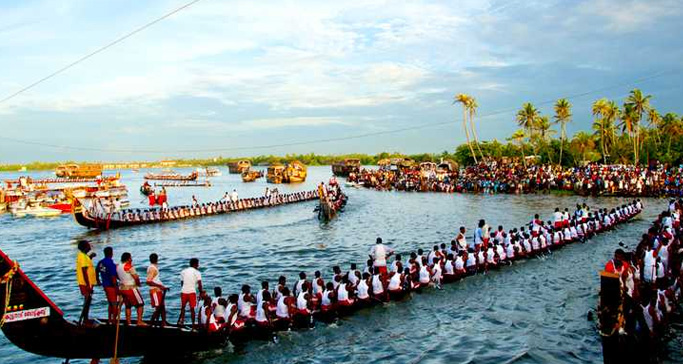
point(334, 139)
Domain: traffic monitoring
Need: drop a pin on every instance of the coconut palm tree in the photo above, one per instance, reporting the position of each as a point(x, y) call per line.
point(563, 115)
point(518, 137)
point(465, 100)
point(582, 143)
point(672, 127)
point(640, 104)
point(527, 117)
point(654, 119)
point(629, 126)
point(472, 110)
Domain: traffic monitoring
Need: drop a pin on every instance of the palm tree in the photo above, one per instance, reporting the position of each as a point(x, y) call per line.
point(465, 100)
point(672, 127)
point(563, 115)
point(518, 137)
point(629, 126)
point(527, 117)
point(472, 110)
point(583, 142)
point(654, 118)
point(600, 126)
point(639, 104)
point(544, 132)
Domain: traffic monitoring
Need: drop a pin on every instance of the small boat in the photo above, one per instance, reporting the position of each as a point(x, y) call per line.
point(345, 167)
point(172, 176)
point(78, 170)
point(276, 173)
point(239, 167)
point(36, 211)
point(37, 325)
point(209, 172)
point(327, 209)
point(251, 175)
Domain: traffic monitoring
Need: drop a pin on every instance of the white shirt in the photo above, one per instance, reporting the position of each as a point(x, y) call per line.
point(379, 254)
point(190, 276)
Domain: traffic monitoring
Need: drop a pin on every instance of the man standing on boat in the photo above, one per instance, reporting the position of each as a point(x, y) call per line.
point(190, 280)
point(233, 196)
point(130, 281)
point(109, 281)
point(379, 254)
point(85, 276)
point(157, 290)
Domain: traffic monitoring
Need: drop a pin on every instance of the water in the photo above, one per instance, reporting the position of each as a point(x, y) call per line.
point(533, 312)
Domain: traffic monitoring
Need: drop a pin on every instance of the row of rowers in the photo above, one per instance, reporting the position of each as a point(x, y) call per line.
point(210, 208)
point(378, 282)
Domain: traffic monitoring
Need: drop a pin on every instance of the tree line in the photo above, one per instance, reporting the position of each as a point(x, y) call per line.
point(633, 132)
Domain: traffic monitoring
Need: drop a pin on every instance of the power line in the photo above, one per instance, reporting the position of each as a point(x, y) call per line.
point(335, 139)
point(99, 50)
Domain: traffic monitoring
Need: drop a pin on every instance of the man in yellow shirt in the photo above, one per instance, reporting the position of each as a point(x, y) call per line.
point(85, 276)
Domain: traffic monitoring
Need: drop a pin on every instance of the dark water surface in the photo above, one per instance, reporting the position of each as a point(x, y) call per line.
point(532, 312)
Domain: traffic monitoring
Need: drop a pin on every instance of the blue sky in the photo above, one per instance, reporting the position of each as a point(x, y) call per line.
point(231, 75)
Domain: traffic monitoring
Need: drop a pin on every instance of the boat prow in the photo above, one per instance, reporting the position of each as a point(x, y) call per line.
point(35, 324)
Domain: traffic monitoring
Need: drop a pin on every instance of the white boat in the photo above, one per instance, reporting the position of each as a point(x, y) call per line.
point(209, 172)
point(36, 211)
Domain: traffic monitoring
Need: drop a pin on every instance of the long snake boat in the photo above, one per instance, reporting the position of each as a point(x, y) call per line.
point(34, 323)
point(171, 177)
point(134, 217)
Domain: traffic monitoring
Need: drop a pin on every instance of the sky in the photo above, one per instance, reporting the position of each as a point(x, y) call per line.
point(240, 78)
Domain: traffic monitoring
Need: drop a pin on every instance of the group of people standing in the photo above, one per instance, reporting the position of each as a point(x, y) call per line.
point(494, 177)
point(122, 286)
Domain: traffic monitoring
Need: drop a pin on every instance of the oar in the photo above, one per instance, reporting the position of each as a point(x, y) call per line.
point(115, 359)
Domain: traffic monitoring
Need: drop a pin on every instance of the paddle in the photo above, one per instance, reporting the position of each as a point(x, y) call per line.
point(115, 359)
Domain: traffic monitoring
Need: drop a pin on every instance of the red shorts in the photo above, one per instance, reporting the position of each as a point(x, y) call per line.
point(156, 298)
point(112, 296)
point(190, 298)
point(382, 269)
point(558, 224)
point(132, 297)
point(85, 290)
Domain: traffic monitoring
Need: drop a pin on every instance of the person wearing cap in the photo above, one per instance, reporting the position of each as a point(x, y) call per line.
point(379, 254)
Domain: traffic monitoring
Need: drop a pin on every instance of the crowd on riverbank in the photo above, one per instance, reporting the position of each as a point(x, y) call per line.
point(494, 177)
point(650, 284)
point(315, 297)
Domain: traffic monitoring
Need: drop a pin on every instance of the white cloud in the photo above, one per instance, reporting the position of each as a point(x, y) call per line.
point(624, 16)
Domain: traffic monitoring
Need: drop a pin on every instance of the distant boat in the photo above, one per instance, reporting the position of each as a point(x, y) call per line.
point(22, 169)
point(239, 167)
point(345, 167)
point(78, 170)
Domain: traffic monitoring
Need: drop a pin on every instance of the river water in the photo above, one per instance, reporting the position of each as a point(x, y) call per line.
point(532, 312)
